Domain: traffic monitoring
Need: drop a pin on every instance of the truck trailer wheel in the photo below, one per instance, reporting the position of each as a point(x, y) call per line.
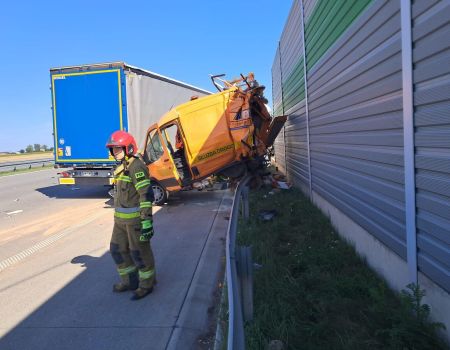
point(160, 194)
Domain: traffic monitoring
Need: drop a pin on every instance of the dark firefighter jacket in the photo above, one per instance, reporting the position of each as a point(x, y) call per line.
point(134, 194)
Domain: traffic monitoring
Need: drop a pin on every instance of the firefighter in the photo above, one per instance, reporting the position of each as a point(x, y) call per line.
point(133, 224)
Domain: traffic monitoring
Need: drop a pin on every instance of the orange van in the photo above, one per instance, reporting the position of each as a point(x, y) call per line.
point(224, 133)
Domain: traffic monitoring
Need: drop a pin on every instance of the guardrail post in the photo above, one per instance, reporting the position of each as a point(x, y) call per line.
point(245, 273)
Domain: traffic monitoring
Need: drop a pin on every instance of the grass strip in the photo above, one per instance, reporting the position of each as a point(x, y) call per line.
point(314, 292)
point(30, 155)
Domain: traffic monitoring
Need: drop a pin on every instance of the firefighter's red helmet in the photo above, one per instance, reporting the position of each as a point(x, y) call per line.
point(122, 139)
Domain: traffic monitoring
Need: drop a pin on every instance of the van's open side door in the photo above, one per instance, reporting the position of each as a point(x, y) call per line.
point(159, 161)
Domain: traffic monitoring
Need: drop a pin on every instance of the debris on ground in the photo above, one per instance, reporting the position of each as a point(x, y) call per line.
point(267, 215)
point(276, 180)
point(283, 185)
point(257, 266)
point(220, 186)
point(278, 177)
point(275, 345)
point(201, 185)
point(218, 183)
point(212, 183)
point(267, 180)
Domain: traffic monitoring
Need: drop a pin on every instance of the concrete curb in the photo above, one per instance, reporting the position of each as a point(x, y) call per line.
point(195, 315)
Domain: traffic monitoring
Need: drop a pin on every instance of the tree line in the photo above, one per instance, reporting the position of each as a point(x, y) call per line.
point(36, 148)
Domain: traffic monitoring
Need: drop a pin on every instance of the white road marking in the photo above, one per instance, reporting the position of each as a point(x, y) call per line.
point(50, 240)
point(14, 212)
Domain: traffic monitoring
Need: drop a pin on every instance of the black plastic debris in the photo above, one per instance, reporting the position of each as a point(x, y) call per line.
point(267, 215)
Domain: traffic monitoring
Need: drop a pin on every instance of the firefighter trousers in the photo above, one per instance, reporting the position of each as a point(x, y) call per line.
point(134, 258)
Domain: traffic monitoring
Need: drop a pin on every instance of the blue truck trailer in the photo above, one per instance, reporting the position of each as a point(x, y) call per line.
point(89, 102)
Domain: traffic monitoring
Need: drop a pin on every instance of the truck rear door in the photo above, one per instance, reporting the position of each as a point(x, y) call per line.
point(87, 107)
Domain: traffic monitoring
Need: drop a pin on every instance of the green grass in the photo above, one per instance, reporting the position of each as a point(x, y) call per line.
point(314, 292)
point(222, 318)
point(20, 171)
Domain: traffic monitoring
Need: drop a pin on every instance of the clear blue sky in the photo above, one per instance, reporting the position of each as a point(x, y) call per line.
point(185, 40)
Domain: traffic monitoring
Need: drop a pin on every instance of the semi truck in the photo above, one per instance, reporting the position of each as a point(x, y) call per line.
point(90, 102)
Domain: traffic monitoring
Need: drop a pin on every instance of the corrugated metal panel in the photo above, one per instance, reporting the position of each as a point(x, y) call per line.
point(356, 122)
point(291, 62)
point(358, 210)
point(309, 6)
point(354, 73)
point(277, 93)
point(277, 98)
point(294, 87)
point(327, 23)
point(431, 74)
point(296, 143)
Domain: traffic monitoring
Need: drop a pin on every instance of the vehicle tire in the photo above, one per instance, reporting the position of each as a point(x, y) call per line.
point(159, 193)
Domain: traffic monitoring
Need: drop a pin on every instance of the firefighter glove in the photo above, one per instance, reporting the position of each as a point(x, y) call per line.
point(146, 230)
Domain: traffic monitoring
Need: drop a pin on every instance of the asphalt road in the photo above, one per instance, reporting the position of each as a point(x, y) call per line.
point(56, 273)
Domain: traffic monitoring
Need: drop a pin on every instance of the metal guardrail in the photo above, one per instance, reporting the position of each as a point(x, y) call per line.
point(13, 166)
point(239, 273)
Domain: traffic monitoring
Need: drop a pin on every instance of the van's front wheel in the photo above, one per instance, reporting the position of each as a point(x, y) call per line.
point(159, 193)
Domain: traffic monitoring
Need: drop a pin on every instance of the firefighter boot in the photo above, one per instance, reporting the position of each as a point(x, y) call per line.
point(141, 292)
point(129, 282)
point(146, 282)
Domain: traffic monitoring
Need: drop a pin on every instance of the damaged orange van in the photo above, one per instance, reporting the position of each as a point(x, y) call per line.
point(224, 133)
